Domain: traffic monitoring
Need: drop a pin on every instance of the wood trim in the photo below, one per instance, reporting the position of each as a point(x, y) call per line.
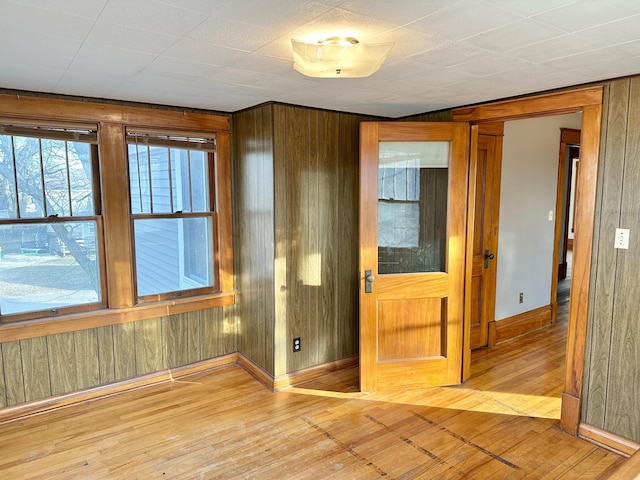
point(116, 208)
point(36, 407)
point(585, 199)
point(295, 378)
point(502, 330)
point(620, 445)
point(538, 106)
point(311, 373)
point(495, 129)
point(69, 323)
point(223, 207)
point(257, 371)
point(471, 213)
point(589, 101)
point(54, 109)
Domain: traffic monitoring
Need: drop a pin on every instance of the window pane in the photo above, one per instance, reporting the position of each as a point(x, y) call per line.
point(80, 175)
point(139, 179)
point(178, 180)
point(8, 198)
point(48, 266)
point(173, 254)
point(29, 176)
point(199, 175)
point(412, 207)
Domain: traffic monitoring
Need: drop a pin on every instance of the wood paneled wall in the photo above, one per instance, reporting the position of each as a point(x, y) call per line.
point(41, 367)
point(296, 179)
point(254, 213)
point(612, 366)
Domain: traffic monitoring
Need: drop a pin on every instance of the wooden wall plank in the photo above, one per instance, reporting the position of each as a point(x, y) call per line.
point(281, 241)
point(615, 126)
point(622, 414)
point(347, 225)
point(148, 346)
point(87, 358)
point(37, 382)
point(194, 343)
point(13, 377)
point(329, 162)
point(62, 363)
point(175, 340)
point(106, 354)
point(312, 259)
point(209, 333)
point(296, 131)
point(124, 351)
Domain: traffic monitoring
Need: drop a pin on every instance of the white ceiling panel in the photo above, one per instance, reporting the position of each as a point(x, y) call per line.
point(226, 55)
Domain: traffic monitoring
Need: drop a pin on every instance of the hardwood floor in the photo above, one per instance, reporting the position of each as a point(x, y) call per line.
point(223, 424)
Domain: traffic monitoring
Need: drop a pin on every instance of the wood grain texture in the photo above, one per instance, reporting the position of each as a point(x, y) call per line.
point(255, 221)
point(35, 368)
point(610, 184)
point(38, 368)
point(622, 413)
point(62, 363)
point(250, 432)
point(298, 255)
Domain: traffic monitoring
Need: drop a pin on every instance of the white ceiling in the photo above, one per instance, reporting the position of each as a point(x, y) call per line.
point(226, 55)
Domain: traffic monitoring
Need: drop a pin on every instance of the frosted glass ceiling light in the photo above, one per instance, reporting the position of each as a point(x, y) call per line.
point(338, 57)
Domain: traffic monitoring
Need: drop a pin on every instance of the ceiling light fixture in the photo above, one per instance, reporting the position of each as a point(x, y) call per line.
point(338, 57)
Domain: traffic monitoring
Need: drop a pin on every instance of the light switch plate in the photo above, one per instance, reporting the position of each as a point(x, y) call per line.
point(622, 238)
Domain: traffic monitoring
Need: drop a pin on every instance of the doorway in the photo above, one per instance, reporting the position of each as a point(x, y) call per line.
point(589, 102)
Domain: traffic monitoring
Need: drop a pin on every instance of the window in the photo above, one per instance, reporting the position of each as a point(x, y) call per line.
point(49, 226)
point(173, 213)
point(103, 221)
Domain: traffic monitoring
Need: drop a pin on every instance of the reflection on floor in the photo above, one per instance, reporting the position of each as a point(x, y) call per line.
point(524, 376)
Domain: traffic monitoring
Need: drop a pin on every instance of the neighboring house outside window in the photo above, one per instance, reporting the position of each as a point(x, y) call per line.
point(172, 213)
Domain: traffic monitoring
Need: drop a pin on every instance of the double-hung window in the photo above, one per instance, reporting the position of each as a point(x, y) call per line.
point(173, 213)
point(50, 229)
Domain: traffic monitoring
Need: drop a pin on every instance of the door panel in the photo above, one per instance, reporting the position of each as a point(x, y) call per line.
point(413, 194)
point(485, 234)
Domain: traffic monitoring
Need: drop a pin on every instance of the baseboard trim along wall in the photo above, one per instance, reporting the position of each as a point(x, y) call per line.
point(23, 410)
point(512, 327)
point(610, 441)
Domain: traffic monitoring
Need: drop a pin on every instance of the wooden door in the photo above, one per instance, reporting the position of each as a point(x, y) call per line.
point(413, 225)
point(488, 164)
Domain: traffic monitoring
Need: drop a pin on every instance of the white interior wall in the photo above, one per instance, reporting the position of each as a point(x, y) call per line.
point(527, 195)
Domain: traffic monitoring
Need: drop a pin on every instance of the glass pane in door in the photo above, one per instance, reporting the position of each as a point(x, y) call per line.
point(413, 180)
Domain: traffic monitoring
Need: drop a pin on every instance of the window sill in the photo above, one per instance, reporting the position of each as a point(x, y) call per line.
point(100, 318)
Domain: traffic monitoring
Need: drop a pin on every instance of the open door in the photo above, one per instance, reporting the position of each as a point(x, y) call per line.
point(488, 165)
point(413, 231)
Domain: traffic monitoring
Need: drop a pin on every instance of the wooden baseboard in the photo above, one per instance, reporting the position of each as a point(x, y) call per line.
point(610, 441)
point(257, 372)
point(295, 378)
point(36, 407)
point(512, 327)
point(301, 376)
point(570, 414)
point(23, 410)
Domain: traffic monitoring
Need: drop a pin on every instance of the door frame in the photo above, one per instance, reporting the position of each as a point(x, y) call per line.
point(589, 102)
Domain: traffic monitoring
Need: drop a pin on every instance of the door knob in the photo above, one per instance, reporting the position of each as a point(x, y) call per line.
point(488, 256)
point(368, 281)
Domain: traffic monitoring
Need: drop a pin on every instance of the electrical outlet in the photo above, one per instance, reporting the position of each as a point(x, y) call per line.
point(521, 298)
point(296, 344)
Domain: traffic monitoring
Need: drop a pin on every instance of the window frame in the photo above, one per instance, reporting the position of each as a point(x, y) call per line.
point(189, 142)
point(119, 300)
